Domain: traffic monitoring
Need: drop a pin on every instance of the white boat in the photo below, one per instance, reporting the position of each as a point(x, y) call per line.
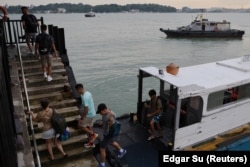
point(203, 103)
point(90, 14)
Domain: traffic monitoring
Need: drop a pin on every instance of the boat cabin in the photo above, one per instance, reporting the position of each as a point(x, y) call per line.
point(202, 24)
point(200, 101)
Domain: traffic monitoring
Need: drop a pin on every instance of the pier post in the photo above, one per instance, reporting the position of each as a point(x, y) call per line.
point(8, 133)
point(139, 102)
point(10, 35)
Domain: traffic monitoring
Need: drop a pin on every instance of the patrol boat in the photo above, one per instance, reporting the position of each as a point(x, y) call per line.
point(203, 28)
point(90, 14)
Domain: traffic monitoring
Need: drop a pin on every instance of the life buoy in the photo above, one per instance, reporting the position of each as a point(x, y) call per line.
point(5, 13)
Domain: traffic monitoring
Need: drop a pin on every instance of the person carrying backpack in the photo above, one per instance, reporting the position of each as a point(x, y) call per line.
point(155, 109)
point(109, 133)
point(30, 25)
point(44, 45)
point(48, 133)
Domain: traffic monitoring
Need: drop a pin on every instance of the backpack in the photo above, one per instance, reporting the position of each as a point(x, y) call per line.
point(45, 42)
point(31, 23)
point(58, 122)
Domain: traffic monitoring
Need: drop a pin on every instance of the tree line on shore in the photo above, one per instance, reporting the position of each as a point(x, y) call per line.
point(84, 8)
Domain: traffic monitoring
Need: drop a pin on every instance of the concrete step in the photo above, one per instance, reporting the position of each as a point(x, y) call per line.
point(39, 74)
point(64, 103)
point(37, 68)
point(38, 82)
point(57, 105)
point(46, 89)
point(73, 132)
point(29, 57)
point(74, 141)
point(76, 150)
point(33, 62)
point(53, 96)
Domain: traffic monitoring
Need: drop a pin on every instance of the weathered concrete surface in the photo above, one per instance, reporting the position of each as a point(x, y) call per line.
point(88, 161)
point(24, 152)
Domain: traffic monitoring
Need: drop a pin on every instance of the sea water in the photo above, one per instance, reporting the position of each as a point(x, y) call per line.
point(106, 51)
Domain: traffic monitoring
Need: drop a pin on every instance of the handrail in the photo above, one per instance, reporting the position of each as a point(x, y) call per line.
point(19, 30)
point(27, 98)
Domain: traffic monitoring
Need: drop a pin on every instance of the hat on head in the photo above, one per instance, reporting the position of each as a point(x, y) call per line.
point(101, 107)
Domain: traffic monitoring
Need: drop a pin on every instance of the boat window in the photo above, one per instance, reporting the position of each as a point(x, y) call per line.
point(220, 98)
point(166, 89)
point(191, 111)
point(150, 83)
point(212, 24)
point(171, 100)
point(198, 24)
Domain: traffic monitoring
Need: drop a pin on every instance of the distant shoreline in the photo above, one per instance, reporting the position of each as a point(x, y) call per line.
point(114, 8)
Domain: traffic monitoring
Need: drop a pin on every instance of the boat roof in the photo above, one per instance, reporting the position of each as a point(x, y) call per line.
point(209, 21)
point(207, 77)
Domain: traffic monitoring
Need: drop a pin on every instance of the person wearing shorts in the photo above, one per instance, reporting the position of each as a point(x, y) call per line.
point(48, 133)
point(87, 113)
point(108, 119)
point(30, 25)
point(155, 107)
point(44, 46)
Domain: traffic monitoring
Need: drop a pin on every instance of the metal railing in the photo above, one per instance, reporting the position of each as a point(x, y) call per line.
point(27, 98)
point(9, 27)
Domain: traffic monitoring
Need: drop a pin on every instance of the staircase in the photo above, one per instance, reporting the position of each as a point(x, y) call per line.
point(61, 97)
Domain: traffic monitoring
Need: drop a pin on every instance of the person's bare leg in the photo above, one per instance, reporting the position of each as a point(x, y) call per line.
point(102, 154)
point(28, 44)
point(86, 129)
point(152, 128)
point(116, 145)
point(49, 143)
point(49, 69)
point(59, 146)
point(44, 69)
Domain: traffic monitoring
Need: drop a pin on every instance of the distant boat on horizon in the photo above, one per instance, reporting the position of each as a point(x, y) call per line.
point(90, 14)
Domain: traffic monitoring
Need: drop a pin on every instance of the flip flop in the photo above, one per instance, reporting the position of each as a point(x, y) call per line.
point(50, 159)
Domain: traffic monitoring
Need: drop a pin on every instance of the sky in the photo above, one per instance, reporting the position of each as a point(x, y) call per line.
point(174, 3)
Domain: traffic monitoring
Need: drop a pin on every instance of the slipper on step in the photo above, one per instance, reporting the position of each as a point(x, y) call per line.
point(50, 159)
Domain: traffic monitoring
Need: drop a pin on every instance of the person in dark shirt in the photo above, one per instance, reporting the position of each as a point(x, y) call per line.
point(108, 120)
point(44, 45)
point(155, 110)
point(30, 25)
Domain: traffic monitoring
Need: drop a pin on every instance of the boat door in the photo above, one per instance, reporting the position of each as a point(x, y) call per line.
point(203, 27)
point(182, 115)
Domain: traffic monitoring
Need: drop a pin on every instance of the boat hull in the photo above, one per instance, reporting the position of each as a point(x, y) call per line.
point(204, 34)
point(89, 15)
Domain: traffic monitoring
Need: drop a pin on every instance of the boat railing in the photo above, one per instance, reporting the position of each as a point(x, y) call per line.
point(38, 162)
point(9, 34)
